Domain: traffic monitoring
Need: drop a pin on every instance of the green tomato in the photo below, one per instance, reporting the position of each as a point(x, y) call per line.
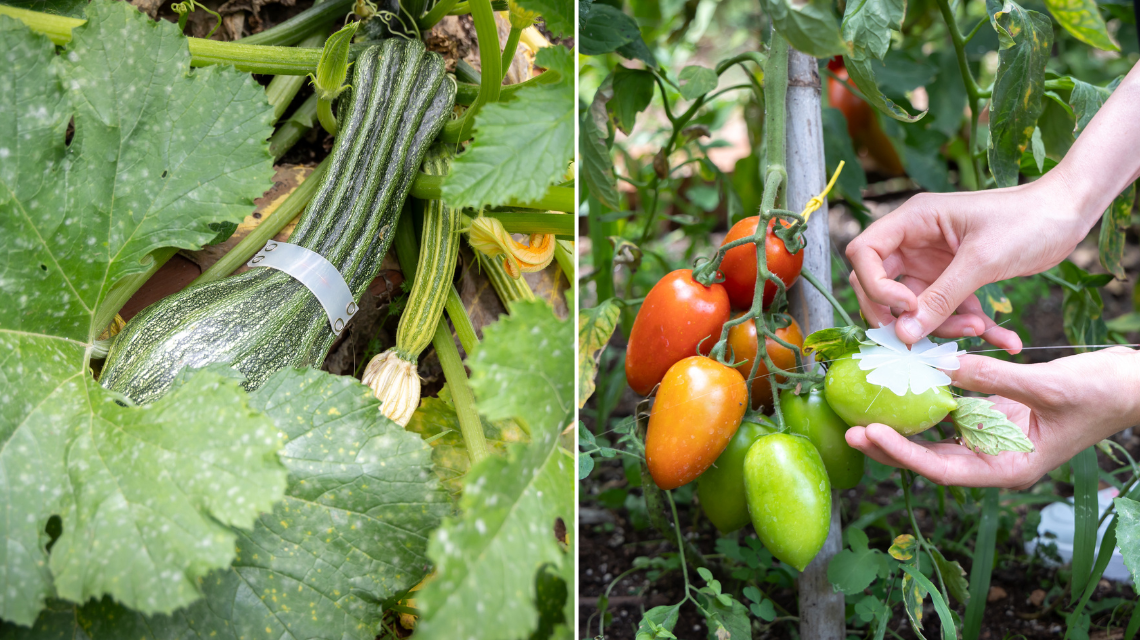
point(860, 403)
point(810, 416)
point(721, 487)
point(789, 497)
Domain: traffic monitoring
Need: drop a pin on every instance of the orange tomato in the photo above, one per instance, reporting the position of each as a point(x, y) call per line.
point(677, 315)
point(739, 264)
point(742, 340)
point(699, 407)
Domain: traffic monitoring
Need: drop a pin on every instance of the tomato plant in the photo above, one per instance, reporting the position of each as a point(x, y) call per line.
point(739, 264)
point(161, 147)
point(721, 487)
point(698, 409)
point(810, 415)
point(860, 403)
point(676, 317)
point(789, 497)
point(742, 342)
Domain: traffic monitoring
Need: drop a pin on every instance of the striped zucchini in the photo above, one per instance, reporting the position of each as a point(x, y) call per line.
point(510, 290)
point(392, 374)
point(263, 320)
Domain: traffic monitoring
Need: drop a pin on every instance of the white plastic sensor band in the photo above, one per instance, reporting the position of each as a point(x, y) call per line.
point(317, 274)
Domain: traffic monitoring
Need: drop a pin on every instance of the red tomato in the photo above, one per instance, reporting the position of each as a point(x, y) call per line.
point(862, 125)
point(739, 264)
point(677, 314)
point(698, 409)
point(742, 340)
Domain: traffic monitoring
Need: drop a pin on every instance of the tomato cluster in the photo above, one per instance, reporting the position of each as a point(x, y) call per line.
point(780, 482)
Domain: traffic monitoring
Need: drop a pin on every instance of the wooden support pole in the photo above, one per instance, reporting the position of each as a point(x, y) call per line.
point(821, 608)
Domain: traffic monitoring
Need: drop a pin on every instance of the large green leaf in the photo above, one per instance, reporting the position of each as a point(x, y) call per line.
point(486, 559)
point(351, 532)
point(867, 29)
point(1082, 19)
point(557, 14)
point(594, 132)
point(1025, 38)
point(159, 153)
point(522, 146)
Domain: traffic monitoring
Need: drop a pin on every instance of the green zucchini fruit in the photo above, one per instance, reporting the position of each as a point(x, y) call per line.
point(392, 374)
point(263, 320)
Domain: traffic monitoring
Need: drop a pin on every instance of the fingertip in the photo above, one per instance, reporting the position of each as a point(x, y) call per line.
point(909, 329)
point(856, 437)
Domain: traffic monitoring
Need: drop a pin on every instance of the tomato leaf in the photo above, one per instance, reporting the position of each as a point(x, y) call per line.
point(912, 595)
point(987, 430)
point(954, 576)
point(632, 92)
point(521, 146)
point(834, 343)
point(903, 548)
point(810, 26)
point(351, 531)
point(486, 557)
point(696, 81)
point(920, 586)
point(153, 162)
point(1116, 221)
point(853, 570)
point(726, 621)
point(595, 138)
point(1128, 533)
point(1025, 38)
point(658, 622)
point(1082, 308)
point(1082, 19)
point(595, 327)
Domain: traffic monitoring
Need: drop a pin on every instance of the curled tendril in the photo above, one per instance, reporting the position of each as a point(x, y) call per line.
point(183, 10)
point(387, 17)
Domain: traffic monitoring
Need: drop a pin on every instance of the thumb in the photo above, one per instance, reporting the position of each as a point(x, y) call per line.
point(957, 283)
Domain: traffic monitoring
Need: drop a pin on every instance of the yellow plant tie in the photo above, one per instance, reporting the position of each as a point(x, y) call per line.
point(817, 202)
point(488, 236)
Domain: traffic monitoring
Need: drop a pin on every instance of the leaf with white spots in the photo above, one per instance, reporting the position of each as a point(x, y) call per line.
point(159, 152)
point(487, 559)
point(351, 532)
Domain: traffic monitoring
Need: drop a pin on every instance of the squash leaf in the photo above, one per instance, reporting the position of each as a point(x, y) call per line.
point(487, 558)
point(351, 532)
point(521, 146)
point(159, 153)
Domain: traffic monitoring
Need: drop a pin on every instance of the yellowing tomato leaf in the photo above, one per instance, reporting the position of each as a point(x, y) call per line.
point(834, 343)
point(1025, 38)
point(984, 429)
point(1082, 19)
point(159, 153)
point(595, 327)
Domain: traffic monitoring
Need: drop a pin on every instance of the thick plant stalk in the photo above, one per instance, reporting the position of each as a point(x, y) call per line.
point(264, 320)
point(393, 375)
point(821, 607)
point(293, 129)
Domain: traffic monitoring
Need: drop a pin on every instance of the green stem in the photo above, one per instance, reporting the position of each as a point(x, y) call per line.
point(487, 33)
point(748, 56)
point(313, 20)
point(269, 227)
point(814, 281)
point(973, 92)
point(509, 50)
point(282, 89)
point(464, 330)
point(469, 423)
point(125, 288)
point(327, 117)
point(441, 9)
point(564, 254)
point(510, 290)
point(907, 478)
point(556, 199)
point(775, 101)
point(466, 93)
point(295, 128)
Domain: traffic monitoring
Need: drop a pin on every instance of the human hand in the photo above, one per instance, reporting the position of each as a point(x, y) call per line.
point(947, 246)
point(1063, 406)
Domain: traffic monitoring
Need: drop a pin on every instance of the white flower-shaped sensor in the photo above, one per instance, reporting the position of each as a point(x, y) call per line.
point(894, 366)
